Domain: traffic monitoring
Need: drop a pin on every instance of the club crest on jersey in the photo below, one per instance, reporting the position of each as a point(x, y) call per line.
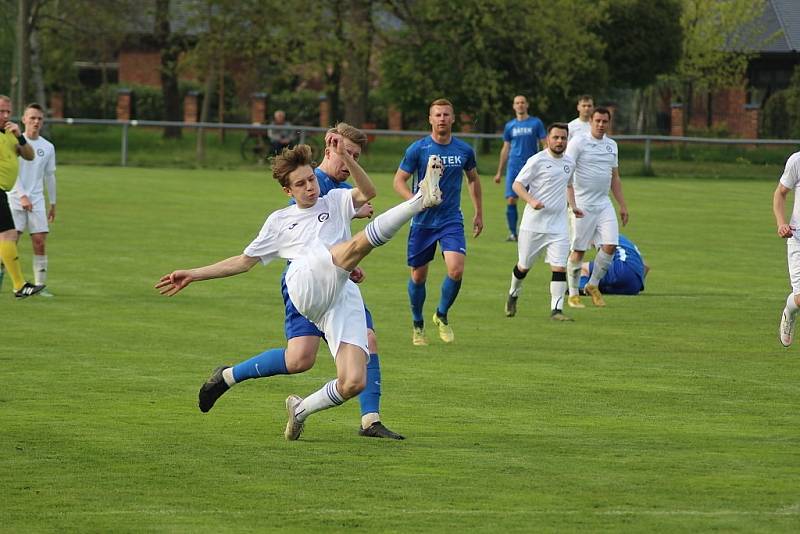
point(40, 152)
point(566, 169)
point(322, 217)
point(608, 148)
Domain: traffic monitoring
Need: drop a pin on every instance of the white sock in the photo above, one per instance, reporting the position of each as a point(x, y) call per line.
point(791, 305)
point(369, 419)
point(516, 285)
point(388, 223)
point(40, 270)
point(326, 397)
point(601, 264)
point(227, 375)
point(573, 277)
point(557, 290)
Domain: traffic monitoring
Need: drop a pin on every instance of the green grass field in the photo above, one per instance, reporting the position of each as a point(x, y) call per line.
point(676, 410)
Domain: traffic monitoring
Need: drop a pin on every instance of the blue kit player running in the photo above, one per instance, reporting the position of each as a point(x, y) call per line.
point(443, 224)
point(521, 140)
point(302, 335)
point(626, 274)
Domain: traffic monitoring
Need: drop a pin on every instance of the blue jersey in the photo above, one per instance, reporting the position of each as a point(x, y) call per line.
point(457, 157)
point(523, 136)
point(626, 274)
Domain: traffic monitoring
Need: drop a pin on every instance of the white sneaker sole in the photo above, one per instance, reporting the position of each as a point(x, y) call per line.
point(786, 339)
point(431, 194)
point(293, 428)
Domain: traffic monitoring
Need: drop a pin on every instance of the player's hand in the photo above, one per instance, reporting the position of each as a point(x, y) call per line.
point(578, 213)
point(364, 212)
point(173, 282)
point(25, 202)
point(477, 225)
point(497, 178)
point(13, 128)
point(623, 214)
point(785, 231)
point(51, 214)
point(536, 204)
point(357, 275)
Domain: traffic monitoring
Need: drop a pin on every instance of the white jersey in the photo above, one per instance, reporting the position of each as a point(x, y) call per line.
point(546, 177)
point(578, 127)
point(791, 180)
point(288, 232)
point(33, 175)
point(594, 161)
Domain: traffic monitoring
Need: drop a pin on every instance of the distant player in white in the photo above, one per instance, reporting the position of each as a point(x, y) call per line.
point(542, 184)
point(596, 172)
point(790, 181)
point(314, 234)
point(27, 200)
point(582, 123)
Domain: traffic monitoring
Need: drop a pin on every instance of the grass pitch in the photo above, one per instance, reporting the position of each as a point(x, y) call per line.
point(675, 410)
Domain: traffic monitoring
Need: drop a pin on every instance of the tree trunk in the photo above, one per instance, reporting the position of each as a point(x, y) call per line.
point(23, 51)
point(355, 70)
point(36, 71)
point(170, 53)
point(205, 109)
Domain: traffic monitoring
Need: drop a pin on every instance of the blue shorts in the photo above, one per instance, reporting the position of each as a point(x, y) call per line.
point(422, 242)
point(296, 325)
point(511, 175)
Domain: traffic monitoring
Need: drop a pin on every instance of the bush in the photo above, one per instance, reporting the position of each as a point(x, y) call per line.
point(775, 120)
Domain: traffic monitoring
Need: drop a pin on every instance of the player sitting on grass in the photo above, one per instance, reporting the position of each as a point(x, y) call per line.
point(314, 235)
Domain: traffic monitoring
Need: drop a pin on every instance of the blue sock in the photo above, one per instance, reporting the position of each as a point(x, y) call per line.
point(450, 290)
point(416, 293)
point(370, 398)
point(511, 217)
point(269, 363)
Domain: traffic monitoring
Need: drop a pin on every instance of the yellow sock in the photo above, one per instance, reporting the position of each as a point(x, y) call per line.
point(10, 258)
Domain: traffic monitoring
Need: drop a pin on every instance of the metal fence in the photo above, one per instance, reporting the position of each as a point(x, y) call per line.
point(305, 131)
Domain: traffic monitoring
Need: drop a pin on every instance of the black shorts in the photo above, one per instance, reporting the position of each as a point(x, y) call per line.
point(6, 220)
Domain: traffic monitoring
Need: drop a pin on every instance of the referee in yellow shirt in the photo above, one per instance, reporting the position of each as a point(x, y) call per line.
point(12, 144)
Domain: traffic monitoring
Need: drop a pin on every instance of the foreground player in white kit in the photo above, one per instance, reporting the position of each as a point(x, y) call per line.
point(314, 234)
point(27, 200)
point(790, 180)
point(542, 184)
point(596, 171)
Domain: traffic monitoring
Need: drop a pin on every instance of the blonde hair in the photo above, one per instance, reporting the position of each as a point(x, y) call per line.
point(288, 161)
point(442, 102)
point(350, 133)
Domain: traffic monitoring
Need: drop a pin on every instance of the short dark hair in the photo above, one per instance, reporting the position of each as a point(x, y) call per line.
point(602, 111)
point(585, 97)
point(34, 105)
point(559, 125)
point(288, 161)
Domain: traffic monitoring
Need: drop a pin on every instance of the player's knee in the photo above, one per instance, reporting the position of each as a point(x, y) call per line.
point(456, 273)
point(372, 341)
point(299, 361)
point(350, 386)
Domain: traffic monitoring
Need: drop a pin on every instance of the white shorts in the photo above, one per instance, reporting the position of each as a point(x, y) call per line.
point(324, 294)
point(793, 257)
point(34, 221)
point(598, 226)
point(530, 245)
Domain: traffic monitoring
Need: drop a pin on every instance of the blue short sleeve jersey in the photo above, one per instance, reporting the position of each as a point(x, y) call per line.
point(457, 157)
point(523, 136)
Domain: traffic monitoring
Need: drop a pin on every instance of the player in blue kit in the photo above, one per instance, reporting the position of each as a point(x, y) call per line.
point(302, 335)
point(626, 274)
point(443, 224)
point(521, 140)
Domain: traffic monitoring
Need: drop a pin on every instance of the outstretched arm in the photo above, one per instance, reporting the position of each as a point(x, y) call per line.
point(173, 282)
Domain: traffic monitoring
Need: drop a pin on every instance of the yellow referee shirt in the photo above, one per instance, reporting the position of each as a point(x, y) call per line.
point(9, 165)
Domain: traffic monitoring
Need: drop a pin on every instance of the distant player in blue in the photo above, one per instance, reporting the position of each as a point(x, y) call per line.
point(443, 224)
point(521, 140)
point(302, 335)
point(626, 274)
